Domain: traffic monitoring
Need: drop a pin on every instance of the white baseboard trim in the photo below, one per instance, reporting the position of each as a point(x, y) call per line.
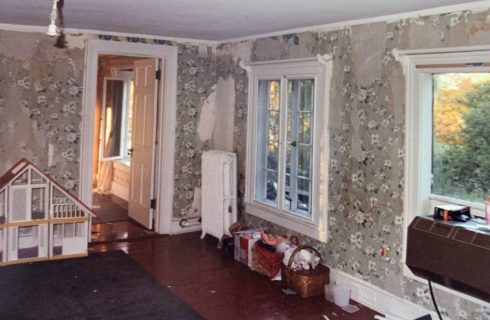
point(378, 299)
point(194, 226)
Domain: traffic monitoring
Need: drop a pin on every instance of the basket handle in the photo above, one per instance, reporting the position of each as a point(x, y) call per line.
point(298, 249)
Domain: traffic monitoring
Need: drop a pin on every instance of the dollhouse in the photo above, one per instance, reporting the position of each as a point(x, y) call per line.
point(39, 219)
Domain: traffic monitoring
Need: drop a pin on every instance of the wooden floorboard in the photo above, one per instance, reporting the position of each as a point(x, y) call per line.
point(219, 287)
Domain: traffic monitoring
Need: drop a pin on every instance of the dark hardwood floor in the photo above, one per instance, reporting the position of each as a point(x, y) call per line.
point(119, 231)
point(217, 286)
point(109, 208)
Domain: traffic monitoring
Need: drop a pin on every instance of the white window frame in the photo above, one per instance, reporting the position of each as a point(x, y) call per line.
point(320, 69)
point(123, 156)
point(418, 199)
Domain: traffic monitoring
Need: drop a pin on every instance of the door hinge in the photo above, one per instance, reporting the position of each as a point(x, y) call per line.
point(153, 203)
point(158, 74)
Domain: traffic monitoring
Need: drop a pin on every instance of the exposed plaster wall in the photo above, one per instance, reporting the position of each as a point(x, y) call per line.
point(225, 108)
point(40, 104)
point(207, 117)
point(366, 159)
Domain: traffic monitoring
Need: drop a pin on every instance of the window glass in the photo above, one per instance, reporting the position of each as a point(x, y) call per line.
point(38, 203)
point(461, 135)
point(22, 179)
point(268, 140)
point(299, 145)
point(118, 116)
point(114, 109)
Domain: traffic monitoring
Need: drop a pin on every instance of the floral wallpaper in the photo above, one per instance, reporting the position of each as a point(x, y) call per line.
point(196, 81)
point(40, 113)
point(229, 67)
point(367, 144)
point(40, 105)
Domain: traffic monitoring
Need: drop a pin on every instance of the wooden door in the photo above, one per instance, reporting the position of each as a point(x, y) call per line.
point(143, 142)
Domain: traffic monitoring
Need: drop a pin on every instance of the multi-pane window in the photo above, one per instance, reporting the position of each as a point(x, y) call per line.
point(299, 145)
point(287, 143)
point(447, 148)
point(294, 142)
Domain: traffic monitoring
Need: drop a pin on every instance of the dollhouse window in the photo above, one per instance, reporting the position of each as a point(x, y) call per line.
point(28, 242)
point(3, 206)
point(36, 178)
point(18, 204)
point(38, 203)
point(69, 231)
point(57, 239)
point(22, 179)
point(79, 229)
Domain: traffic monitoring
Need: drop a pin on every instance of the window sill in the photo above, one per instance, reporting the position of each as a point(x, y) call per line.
point(297, 224)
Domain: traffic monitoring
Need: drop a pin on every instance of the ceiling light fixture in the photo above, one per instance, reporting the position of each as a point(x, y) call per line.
point(53, 28)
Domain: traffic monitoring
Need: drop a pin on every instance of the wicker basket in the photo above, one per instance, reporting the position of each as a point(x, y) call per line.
point(307, 283)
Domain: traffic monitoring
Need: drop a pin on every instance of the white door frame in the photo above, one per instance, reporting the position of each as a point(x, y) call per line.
point(167, 103)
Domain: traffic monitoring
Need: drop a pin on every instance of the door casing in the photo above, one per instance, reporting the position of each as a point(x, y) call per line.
point(167, 106)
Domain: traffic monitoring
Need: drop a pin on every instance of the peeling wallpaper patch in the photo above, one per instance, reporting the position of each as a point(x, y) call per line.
point(368, 52)
point(225, 108)
point(40, 105)
point(205, 126)
point(366, 162)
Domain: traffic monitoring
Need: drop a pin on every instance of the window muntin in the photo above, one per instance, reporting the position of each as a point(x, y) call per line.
point(267, 157)
point(299, 146)
point(297, 124)
point(461, 135)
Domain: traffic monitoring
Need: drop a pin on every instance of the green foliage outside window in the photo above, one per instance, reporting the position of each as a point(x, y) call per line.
point(461, 143)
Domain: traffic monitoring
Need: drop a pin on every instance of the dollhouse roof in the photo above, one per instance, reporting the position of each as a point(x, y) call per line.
point(23, 164)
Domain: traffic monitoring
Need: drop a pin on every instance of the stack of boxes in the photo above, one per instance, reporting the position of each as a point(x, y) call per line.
point(244, 242)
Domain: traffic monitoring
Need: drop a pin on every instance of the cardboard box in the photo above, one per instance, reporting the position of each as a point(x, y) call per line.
point(244, 243)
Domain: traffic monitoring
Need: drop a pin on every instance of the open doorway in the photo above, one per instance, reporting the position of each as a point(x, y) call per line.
point(159, 212)
point(113, 124)
point(124, 153)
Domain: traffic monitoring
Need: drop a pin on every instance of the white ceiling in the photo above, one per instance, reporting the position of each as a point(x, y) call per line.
point(215, 20)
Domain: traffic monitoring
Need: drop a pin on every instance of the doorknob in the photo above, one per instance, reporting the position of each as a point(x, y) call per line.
point(130, 152)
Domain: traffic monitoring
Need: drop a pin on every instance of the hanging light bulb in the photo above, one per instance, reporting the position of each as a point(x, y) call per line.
point(52, 28)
